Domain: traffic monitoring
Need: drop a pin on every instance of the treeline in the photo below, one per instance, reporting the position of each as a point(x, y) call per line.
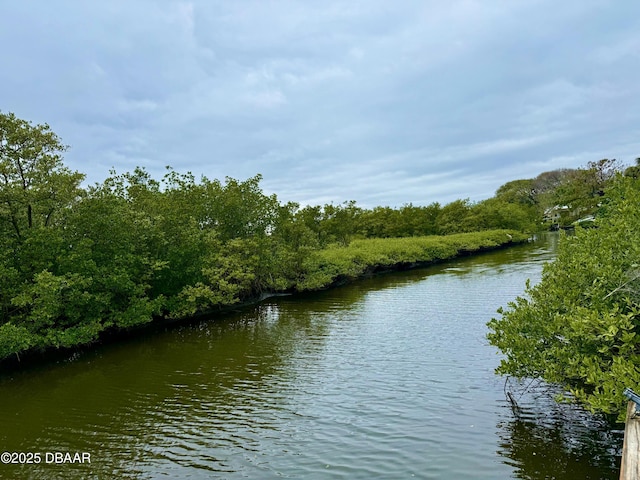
point(556, 198)
point(345, 222)
point(565, 197)
point(77, 261)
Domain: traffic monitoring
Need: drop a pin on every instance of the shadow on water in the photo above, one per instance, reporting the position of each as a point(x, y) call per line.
point(542, 439)
point(214, 388)
point(547, 440)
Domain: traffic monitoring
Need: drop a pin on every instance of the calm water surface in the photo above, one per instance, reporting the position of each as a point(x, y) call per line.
point(389, 378)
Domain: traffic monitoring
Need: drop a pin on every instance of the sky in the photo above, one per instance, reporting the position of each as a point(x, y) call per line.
point(378, 101)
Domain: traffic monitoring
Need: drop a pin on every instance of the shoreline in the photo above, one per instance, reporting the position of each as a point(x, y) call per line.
point(30, 359)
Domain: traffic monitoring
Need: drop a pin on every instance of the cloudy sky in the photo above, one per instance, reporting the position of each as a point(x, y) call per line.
point(383, 102)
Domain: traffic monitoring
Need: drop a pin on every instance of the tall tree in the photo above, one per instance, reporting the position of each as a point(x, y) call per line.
point(34, 184)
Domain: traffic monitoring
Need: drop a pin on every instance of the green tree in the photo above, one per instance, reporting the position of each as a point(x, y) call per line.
point(34, 184)
point(36, 190)
point(453, 217)
point(495, 213)
point(579, 327)
point(75, 262)
point(583, 188)
point(634, 170)
point(237, 209)
point(341, 222)
point(518, 191)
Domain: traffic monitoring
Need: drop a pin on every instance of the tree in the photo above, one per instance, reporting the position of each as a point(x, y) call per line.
point(340, 222)
point(495, 213)
point(579, 327)
point(452, 218)
point(634, 170)
point(35, 189)
point(34, 184)
point(583, 188)
point(518, 191)
point(237, 209)
point(549, 181)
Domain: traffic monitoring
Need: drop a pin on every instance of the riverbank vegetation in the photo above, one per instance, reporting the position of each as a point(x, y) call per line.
point(337, 263)
point(77, 261)
point(579, 327)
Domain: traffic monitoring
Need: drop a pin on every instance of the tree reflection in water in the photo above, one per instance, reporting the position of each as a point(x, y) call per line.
point(543, 439)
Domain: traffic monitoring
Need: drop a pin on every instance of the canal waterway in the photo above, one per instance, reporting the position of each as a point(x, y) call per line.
point(388, 378)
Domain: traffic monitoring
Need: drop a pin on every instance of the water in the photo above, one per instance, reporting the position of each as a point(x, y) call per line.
point(389, 378)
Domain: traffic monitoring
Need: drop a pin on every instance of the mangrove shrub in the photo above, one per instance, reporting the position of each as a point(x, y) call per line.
point(578, 327)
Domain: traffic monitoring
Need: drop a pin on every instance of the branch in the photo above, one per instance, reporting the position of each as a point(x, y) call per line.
point(635, 276)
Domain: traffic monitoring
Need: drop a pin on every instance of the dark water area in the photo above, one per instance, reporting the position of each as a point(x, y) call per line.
point(391, 377)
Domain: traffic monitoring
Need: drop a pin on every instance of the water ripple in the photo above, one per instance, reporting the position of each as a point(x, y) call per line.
point(388, 378)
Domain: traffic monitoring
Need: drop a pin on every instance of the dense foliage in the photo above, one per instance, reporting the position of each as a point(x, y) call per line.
point(75, 262)
point(331, 264)
point(578, 327)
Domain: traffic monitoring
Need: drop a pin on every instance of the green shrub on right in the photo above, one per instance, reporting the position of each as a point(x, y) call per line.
point(579, 326)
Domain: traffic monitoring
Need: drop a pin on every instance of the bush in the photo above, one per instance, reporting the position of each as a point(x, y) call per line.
point(578, 327)
point(323, 267)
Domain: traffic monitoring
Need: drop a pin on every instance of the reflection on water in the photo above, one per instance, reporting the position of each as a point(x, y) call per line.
point(543, 439)
point(391, 377)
